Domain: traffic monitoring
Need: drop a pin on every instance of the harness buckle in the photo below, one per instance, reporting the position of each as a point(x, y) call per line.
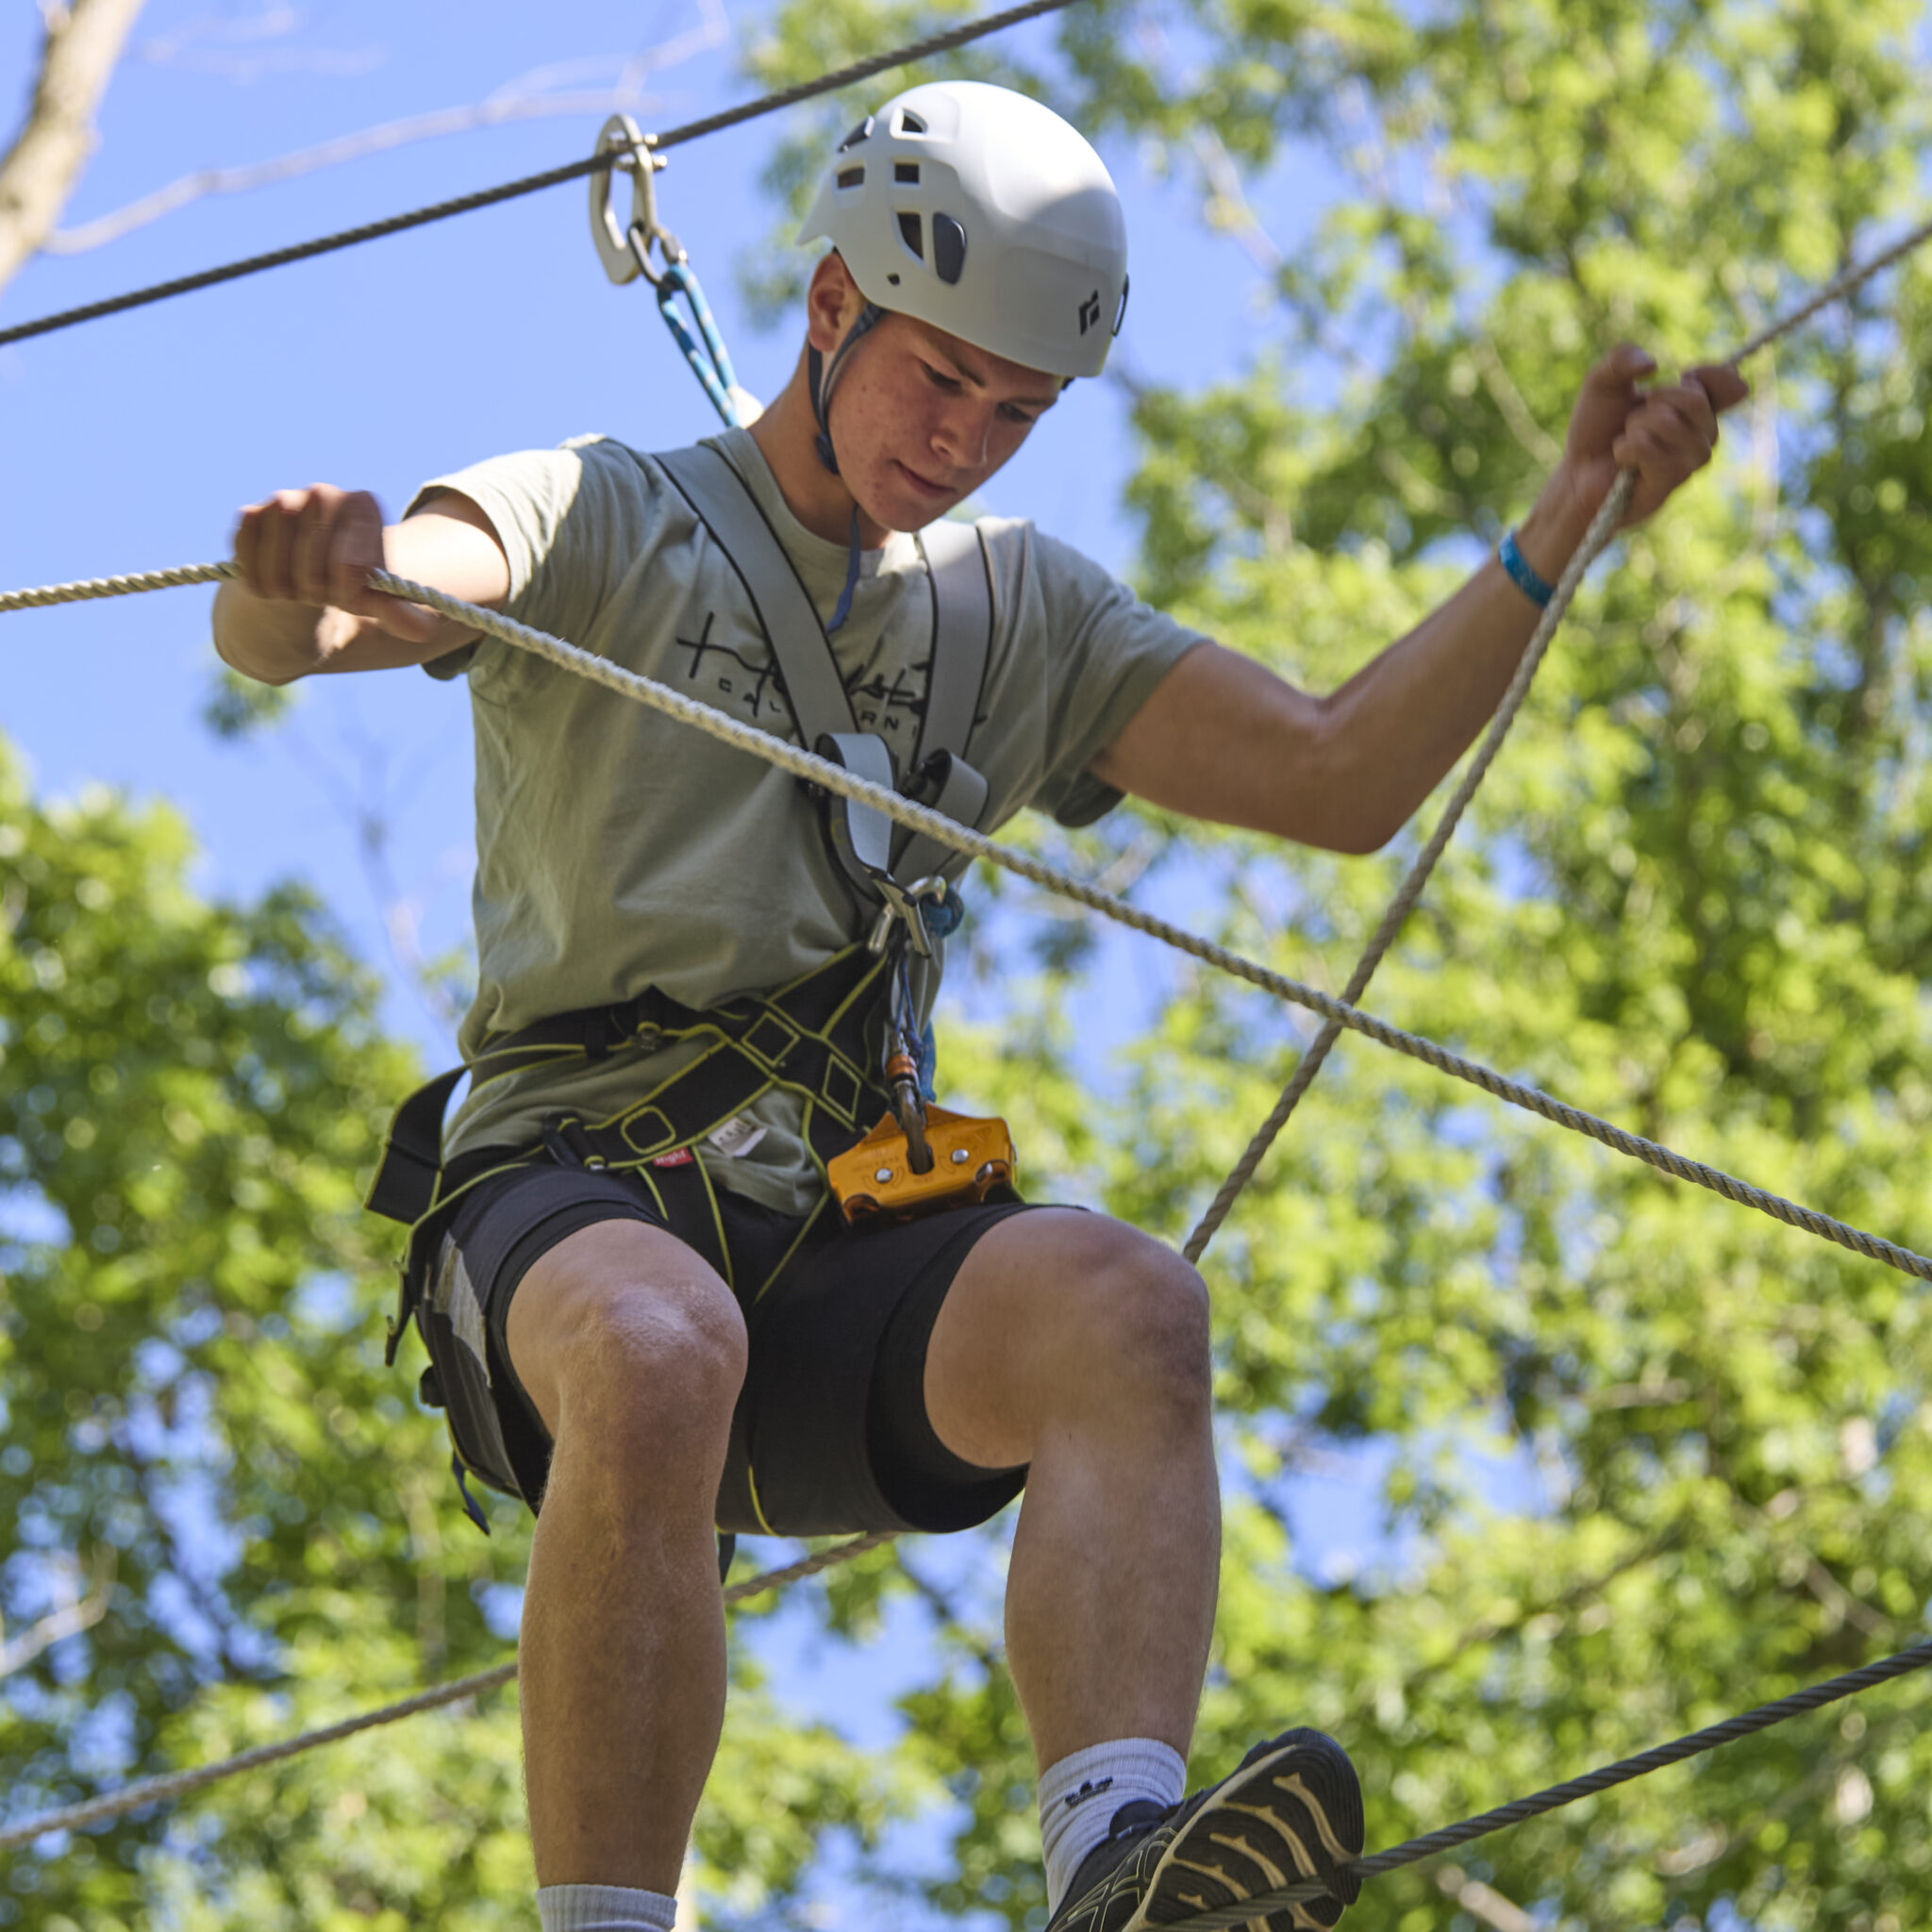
point(395, 1326)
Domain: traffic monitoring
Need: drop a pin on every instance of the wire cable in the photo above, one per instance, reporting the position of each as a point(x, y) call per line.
point(169, 1786)
point(530, 184)
point(1263, 1905)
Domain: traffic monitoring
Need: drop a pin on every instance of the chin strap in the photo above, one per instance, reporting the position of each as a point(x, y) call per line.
point(824, 378)
point(852, 555)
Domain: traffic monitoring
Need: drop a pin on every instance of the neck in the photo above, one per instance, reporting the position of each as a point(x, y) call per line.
point(787, 437)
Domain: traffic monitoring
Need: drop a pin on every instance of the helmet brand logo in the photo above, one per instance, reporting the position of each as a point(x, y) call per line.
point(1089, 311)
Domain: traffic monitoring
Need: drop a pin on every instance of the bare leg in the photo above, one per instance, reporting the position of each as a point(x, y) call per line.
point(633, 1351)
point(1076, 1344)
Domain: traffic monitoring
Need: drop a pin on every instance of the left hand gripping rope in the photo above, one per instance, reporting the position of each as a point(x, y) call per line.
point(624, 250)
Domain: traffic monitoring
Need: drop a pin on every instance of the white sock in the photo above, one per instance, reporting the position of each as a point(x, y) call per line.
point(1079, 1795)
point(605, 1909)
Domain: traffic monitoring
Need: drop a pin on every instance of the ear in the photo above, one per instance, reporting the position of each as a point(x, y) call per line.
point(832, 302)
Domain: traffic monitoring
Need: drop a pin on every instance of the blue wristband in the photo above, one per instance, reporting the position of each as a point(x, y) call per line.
point(1525, 579)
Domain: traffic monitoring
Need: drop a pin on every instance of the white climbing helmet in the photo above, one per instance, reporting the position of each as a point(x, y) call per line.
point(985, 214)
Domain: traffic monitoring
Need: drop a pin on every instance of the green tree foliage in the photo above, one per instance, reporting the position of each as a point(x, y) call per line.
point(200, 1439)
point(1649, 1459)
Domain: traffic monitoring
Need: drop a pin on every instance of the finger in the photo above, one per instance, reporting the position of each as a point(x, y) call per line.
point(1684, 408)
point(357, 550)
point(246, 541)
point(1663, 455)
point(1722, 383)
point(314, 533)
point(1625, 366)
point(275, 535)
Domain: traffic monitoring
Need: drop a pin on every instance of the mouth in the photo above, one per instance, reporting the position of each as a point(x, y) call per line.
point(925, 485)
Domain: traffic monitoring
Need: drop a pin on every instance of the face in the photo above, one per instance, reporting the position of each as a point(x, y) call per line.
point(920, 419)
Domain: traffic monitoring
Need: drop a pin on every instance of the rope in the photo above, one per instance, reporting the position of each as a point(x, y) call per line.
point(1622, 1772)
point(1338, 1014)
point(919, 817)
point(1595, 541)
point(529, 184)
point(170, 1786)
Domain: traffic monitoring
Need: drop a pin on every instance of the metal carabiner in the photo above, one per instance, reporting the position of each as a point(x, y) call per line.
point(625, 251)
point(906, 904)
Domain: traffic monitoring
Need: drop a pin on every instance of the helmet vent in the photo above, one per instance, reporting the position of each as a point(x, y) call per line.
point(908, 233)
point(948, 248)
point(858, 136)
point(906, 172)
point(910, 123)
point(851, 177)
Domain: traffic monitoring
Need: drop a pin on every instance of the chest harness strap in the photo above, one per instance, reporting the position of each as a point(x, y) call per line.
point(879, 860)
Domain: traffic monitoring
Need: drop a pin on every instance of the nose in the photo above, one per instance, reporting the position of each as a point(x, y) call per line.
point(963, 434)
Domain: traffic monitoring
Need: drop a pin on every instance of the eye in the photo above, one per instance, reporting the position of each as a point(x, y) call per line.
point(1014, 413)
point(939, 379)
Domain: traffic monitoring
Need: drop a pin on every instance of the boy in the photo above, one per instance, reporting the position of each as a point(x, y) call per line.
point(650, 1320)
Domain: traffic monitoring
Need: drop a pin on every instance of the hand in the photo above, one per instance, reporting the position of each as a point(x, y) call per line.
point(317, 546)
point(1665, 434)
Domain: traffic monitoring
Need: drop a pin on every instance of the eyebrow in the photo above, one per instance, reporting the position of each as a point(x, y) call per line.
point(967, 373)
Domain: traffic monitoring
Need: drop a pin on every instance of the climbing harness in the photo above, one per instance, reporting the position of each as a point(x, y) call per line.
point(789, 758)
point(845, 1039)
point(809, 1039)
point(624, 249)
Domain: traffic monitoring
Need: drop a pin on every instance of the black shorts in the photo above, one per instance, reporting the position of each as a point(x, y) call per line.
point(830, 1432)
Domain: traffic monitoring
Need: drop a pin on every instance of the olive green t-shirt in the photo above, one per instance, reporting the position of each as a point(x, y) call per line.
point(617, 849)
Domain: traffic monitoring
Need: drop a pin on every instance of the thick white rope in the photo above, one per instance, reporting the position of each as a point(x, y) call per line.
point(817, 771)
point(1337, 1014)
point(1595, 541)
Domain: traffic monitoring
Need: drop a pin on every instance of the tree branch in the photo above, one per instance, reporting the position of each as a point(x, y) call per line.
point(523, 100)
point(38, 173)
point(1484, 1902)
point(80, 1613)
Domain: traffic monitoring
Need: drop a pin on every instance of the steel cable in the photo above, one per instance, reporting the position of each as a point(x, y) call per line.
point(169, 1786)
point(1570, 1790)
point(530, 184)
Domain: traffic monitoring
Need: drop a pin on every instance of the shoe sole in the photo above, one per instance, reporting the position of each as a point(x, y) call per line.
point(1294, 1813)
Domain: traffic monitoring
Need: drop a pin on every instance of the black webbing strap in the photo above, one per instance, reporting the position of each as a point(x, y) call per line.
point(412, 1166)
point(810, 1037)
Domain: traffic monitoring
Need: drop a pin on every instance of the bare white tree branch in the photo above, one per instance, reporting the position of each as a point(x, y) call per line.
point(78, 1614)
point(1484, 1902)
point(238, 50)
point(529, 97)
point(38, 173)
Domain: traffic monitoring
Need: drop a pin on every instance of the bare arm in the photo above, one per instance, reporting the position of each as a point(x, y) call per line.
point(1225, 738)
point(303, 603)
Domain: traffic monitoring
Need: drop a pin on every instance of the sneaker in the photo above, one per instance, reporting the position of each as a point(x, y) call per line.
point(1293, 1811)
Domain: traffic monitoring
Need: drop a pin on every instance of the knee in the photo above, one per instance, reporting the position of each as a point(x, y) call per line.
point(652, 1372)
point(1143, 1320)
